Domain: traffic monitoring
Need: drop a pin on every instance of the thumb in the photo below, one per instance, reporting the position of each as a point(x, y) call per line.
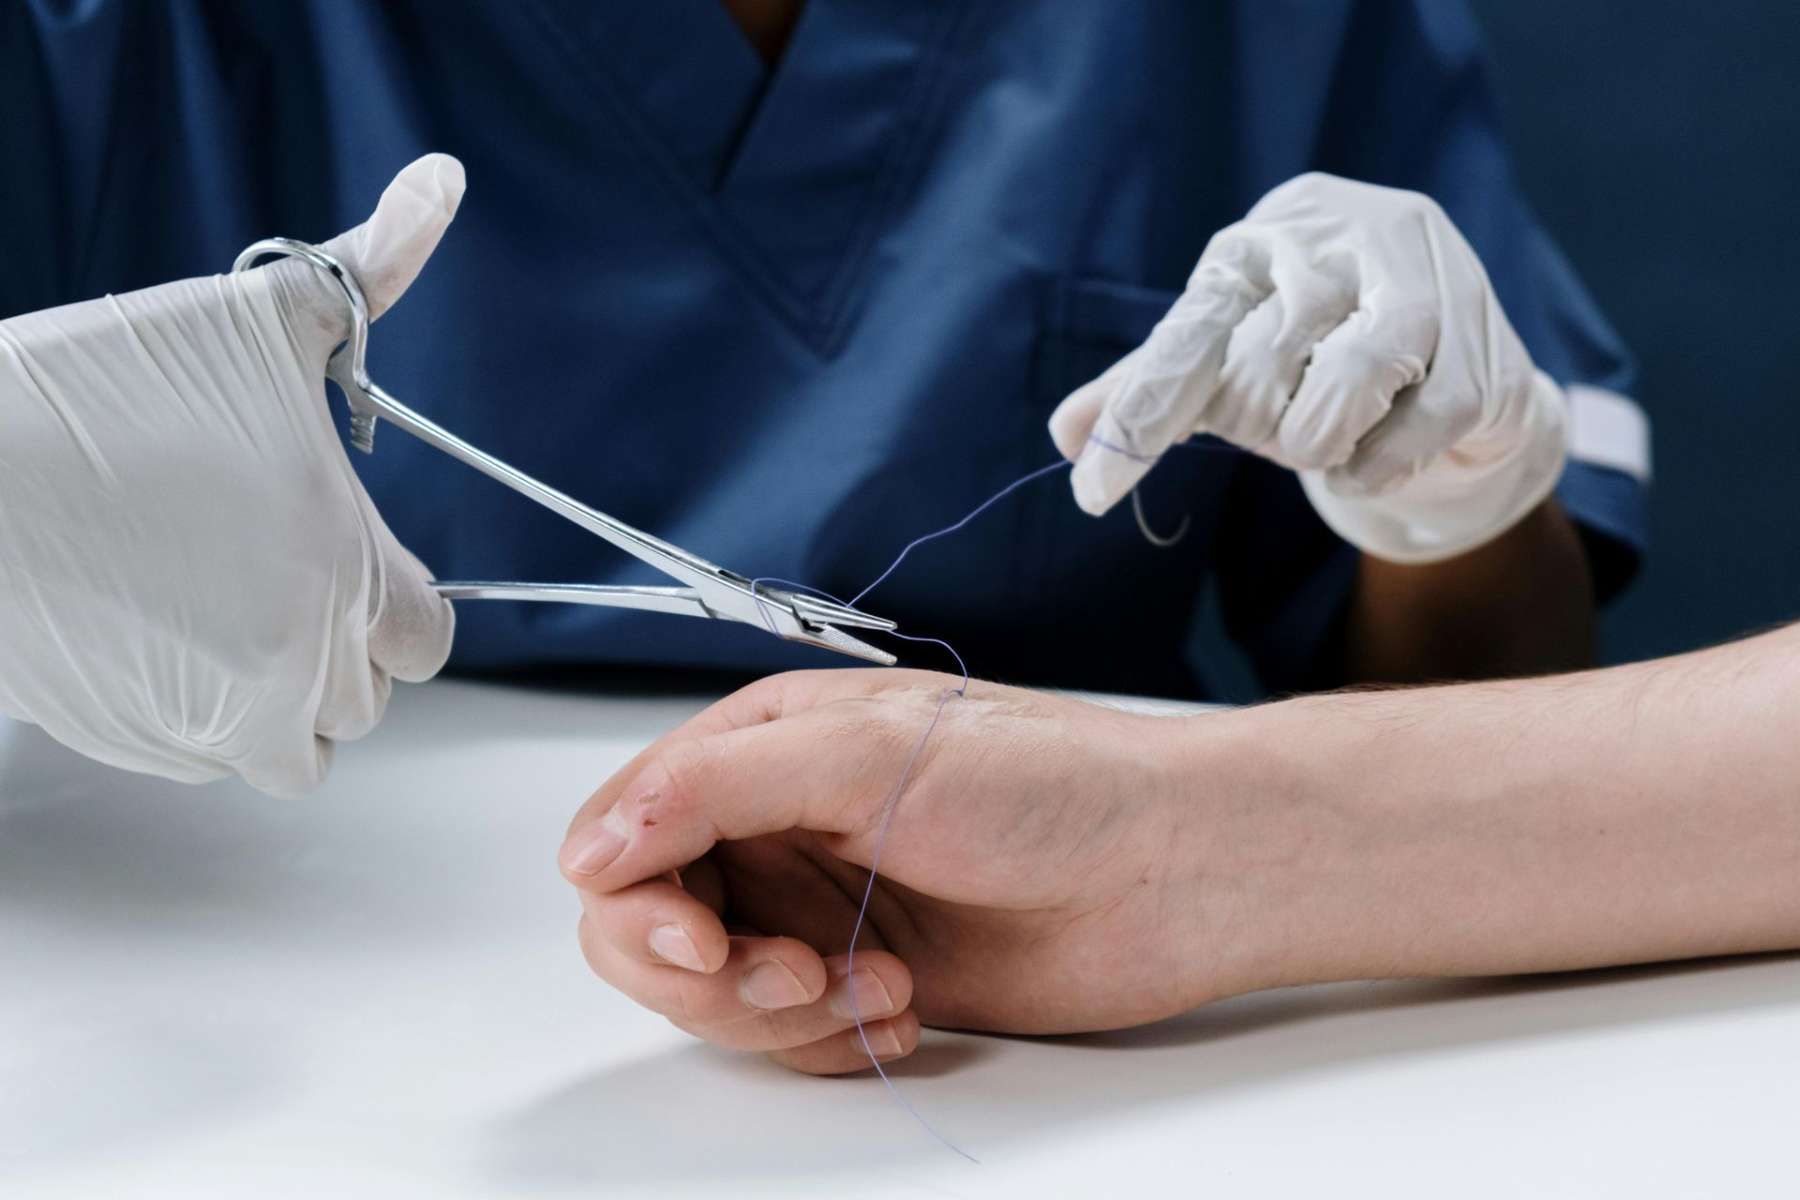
point(387, 252)
point(692, 793)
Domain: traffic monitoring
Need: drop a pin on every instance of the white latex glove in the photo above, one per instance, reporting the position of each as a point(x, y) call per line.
point(192, 580)
point(1349, 332)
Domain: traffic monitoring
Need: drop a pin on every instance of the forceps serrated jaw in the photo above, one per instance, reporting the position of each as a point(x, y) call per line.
point(711, 591)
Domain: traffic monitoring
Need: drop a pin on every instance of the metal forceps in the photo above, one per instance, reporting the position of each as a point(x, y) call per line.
point(707, 591)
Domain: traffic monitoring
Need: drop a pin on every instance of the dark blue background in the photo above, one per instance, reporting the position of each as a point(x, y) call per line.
point(1659, 140)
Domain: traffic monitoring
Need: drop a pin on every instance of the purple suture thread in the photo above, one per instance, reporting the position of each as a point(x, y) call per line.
point(825, 595)
point(862, 910)
point(1004, 492)
point(1160, 541)
point(1133, 455)
point(1207, 446)
point(881, 833)
point(893, 800)
point(961, 690)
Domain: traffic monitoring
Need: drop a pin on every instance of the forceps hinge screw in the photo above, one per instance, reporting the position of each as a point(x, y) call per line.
point(362, 431)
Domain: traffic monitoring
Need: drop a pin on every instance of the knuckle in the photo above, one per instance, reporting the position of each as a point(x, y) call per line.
point(1239, 253)
point(1350, 360)
point(1138, 407)
point(1425, 206)
point(1308, 442)
point(1222, 289)
point(770, 1031)
point(1248, 407)
point(687, 999)
point(1230, 246)
point(1336, 276)
point(1358, 365)
point(768, 698)
point(1294, 340)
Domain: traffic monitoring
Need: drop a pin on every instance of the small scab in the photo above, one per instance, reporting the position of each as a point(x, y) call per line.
point(649, 822)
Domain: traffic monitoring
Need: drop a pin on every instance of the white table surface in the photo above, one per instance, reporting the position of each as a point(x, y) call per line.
point(376, 992)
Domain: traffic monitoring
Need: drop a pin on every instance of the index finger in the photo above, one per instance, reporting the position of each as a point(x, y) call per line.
point(758, 703)
point(750, 705)
point(1162, 397)
point(825, 769)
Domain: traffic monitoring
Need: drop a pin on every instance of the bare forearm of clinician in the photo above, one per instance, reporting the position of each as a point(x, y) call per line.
point(1523, 604)
point(1633, 814)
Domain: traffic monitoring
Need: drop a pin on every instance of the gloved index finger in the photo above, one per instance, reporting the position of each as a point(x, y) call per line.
point(1072, 424)
point(1162, 398)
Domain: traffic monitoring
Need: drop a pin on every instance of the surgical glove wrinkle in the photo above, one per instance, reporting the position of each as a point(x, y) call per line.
point(193, 581)
point(1349, 332)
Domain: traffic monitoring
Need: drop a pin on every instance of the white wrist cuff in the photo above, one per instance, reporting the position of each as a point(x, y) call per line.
point(1461, 501)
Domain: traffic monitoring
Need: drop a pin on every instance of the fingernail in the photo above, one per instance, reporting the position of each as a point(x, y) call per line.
point(865, 988)
point(883, 1041)
point(590, 851)
point(672, 944)
point(772, 985)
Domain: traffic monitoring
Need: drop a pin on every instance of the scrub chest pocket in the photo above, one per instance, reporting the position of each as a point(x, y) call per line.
point(1086, 325)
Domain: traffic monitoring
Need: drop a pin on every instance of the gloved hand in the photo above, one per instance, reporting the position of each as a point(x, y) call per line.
point(1349, 332)
point(192, 580)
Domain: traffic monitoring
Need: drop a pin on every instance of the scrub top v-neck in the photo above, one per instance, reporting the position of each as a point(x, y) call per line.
point(792, 314)
point(785, 166)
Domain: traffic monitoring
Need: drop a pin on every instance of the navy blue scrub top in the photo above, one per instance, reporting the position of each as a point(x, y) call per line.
point(789, 318)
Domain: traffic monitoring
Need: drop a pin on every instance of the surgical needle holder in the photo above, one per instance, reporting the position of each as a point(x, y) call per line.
point(706, 590)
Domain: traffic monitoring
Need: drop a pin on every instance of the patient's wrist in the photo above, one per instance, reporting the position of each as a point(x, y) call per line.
point(1297, 854)
point(1253, 854)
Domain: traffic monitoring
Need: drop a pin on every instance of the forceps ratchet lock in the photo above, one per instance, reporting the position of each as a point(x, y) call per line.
point(706, 590)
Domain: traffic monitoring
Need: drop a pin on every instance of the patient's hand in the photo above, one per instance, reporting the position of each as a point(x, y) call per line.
point(1056, 866)
point(1040, 873)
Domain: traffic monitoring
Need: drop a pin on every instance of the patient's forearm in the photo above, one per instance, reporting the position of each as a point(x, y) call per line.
point(1633, 814)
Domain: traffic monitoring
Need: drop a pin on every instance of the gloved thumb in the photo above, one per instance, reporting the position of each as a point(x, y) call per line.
point(387, 252)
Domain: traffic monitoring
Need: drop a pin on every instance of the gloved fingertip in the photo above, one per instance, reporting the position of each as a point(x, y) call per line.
point(437, 180)
point(416, 649)
point(411, 639)
point(1073, 421)
point(1069, 432)
point(1096, 482)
